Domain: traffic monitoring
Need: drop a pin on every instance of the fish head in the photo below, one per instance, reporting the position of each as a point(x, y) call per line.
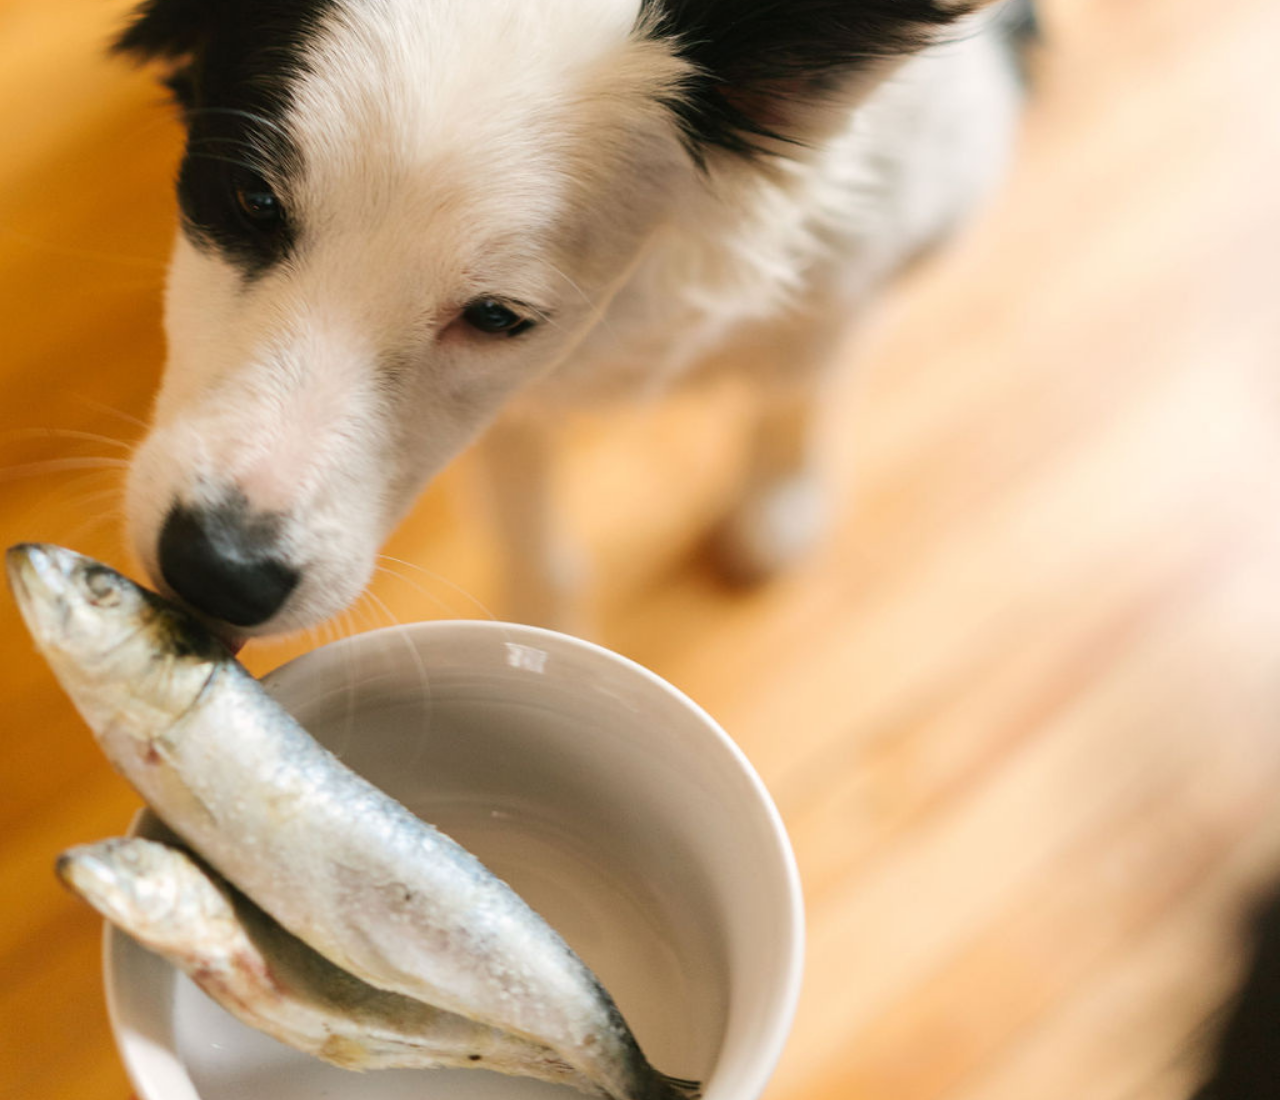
point(131, 662)
point(156, 893)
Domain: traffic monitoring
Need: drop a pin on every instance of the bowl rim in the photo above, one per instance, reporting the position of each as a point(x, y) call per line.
point(145, 1060)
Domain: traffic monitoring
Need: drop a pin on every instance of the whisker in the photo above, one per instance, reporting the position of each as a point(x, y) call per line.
point(255, 159)
point(366, 621)
point(476, 601)
point(382, 605)
point(60, 465)
point(387, 617)
point(92, 497)
point(227, 139)
point(64, 433)
point(99, 406)
point(98, 501)
point(79, 481)
point(597, 311)
point(238, 163)
point(83, 479)
point(357, 616)
point(574, 285)
point(99, 506)
point(237, 112)
point(330, 632)
point(444, 608)
point(92, 524)
point(40, 513)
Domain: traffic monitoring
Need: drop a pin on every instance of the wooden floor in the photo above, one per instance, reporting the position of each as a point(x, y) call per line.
point(1021, 709)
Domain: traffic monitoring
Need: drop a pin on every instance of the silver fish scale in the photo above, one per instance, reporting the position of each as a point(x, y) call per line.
point(371, 886)
point(271, 981)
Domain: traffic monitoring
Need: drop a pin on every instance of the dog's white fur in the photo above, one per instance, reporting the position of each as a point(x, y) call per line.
point(526, 155)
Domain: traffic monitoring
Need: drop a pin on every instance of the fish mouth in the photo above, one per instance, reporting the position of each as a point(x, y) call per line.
point(79, 871)
point(91, 877)
point(36, 577)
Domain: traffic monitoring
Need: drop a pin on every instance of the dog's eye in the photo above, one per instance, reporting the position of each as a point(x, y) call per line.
point(256, 201)
point(489, 315)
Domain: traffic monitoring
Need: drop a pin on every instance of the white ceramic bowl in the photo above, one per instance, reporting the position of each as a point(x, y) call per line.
point(612, 803)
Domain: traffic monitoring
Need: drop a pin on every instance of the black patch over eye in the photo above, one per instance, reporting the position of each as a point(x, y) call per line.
point(230, 208)
point(491, 316)
point(258, 204)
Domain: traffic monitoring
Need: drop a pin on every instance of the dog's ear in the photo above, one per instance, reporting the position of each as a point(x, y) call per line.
point(167, 30)
point(763, 72)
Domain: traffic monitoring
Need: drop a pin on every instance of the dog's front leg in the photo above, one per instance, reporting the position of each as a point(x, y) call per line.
point(540, 574)
point(780, 508)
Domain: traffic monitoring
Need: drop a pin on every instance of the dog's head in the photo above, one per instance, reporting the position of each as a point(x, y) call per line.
point(398, 213)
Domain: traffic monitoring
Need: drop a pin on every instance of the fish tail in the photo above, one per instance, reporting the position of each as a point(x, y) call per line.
point(675, 1088)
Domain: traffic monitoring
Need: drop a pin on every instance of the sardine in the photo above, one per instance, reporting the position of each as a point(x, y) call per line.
point(339, 863)
point(272, 981)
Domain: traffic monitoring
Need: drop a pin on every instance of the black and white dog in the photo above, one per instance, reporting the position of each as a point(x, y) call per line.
point(403, 217)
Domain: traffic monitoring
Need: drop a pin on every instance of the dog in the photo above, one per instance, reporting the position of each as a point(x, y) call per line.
point(406, 223)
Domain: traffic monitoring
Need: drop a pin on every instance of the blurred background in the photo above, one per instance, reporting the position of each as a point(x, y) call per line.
point(1020, 709)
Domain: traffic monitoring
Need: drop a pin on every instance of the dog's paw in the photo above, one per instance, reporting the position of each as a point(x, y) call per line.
point(773, 526)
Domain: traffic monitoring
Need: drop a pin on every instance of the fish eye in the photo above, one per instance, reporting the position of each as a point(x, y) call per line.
point(102, 586)
point(488, 315)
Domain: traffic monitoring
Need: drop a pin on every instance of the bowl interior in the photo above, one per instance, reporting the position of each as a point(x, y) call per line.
point(611, 803)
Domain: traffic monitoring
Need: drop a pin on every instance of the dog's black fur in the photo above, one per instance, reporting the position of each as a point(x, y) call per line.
point(755, 61)
point(752, 57)
point(759, 65)
point(749, 55)
point(232, 77)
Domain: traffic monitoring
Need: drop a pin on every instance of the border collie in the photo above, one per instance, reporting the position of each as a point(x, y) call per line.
point(401, 218)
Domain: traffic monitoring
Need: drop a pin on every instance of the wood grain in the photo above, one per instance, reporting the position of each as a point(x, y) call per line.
point(1020, 709)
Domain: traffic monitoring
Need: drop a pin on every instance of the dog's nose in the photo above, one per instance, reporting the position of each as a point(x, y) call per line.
point(224, 562)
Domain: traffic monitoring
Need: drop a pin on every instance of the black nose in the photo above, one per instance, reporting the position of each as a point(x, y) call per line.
point(225, 562)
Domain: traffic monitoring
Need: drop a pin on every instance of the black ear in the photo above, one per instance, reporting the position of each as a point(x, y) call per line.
point(761, 67)
point(171, 30)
